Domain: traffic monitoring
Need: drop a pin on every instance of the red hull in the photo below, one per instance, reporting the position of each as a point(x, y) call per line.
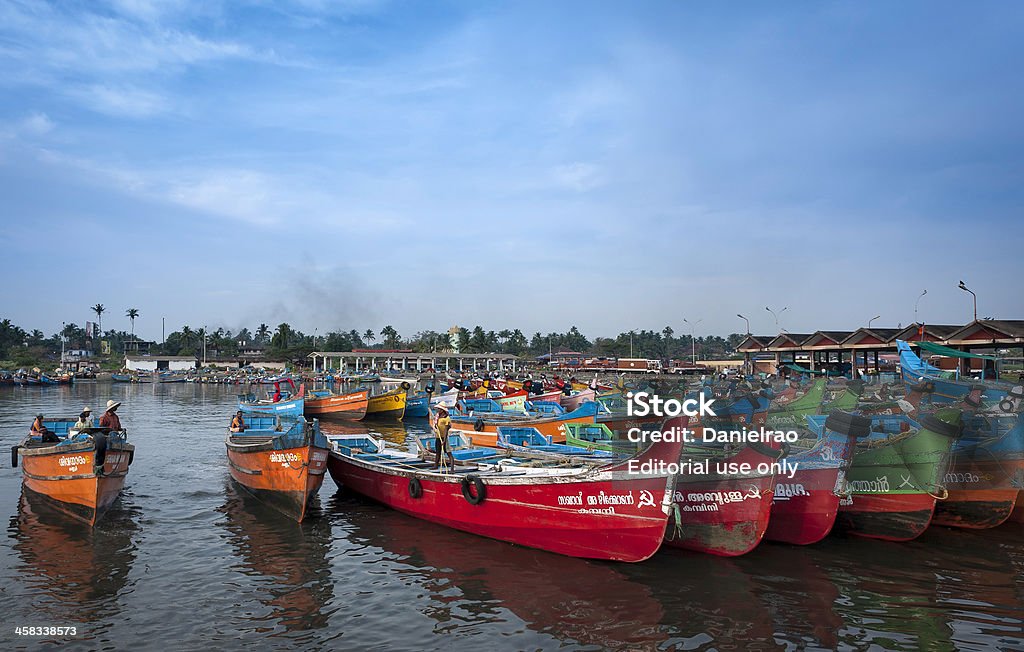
point(804, 509)
point(890, 517)
point(725, 516)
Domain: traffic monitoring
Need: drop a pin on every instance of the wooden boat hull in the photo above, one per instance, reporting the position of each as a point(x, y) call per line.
point(975, 509)
point(804, 509)
point(68, 480)
point(566, 516)
point(570, 403)
point(390, 405)
point(351, 407)
point(1018, 509)
point(895, 485)
point(889, 517)
point(417, 407)
point(515, 402)
point(724, 515)
point(285, 479)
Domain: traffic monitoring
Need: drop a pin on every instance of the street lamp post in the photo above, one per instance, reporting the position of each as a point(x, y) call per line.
point(917, 303)
point(693, 340)
point(775, 315)
point(872, 319)
point(630, 344)
point(966, 289)
point(746, 356)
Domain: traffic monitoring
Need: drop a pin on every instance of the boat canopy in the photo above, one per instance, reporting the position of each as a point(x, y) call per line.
point(804, 370)
point(938, 349)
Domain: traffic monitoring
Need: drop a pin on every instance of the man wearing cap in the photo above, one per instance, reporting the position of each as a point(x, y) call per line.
point(442, 426)
point(110, 418)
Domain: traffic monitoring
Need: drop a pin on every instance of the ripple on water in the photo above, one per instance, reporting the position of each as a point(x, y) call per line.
point(185, 557)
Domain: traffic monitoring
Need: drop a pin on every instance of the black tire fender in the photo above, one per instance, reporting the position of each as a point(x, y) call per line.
point(477, 494)
point(478, 425)
point(415, 488)
point(100, 442)
point(14, 456)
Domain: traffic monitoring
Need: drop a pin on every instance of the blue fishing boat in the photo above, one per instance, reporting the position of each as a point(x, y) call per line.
point(417, 405)
point(285, 404)
point(530, 442)
point(949, 387)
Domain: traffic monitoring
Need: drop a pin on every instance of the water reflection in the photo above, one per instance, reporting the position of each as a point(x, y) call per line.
point(75, 573)
point(590, 603)
point(287, 560)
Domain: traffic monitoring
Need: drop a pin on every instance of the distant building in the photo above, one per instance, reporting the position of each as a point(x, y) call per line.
point(160, 362)
point(453, 338)
point(249, 350)
point(138, 347)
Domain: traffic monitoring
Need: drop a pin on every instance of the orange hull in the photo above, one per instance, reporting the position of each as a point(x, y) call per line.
point(344, 406)
point(975, 508)
point(1018, 510)
point(65, 477)
point(284, 479)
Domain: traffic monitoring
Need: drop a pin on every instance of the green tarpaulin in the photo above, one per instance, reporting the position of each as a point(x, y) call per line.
point(804, 370)
point(938, 349)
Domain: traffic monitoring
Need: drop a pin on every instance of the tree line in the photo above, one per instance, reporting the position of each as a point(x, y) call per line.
point(285, 342)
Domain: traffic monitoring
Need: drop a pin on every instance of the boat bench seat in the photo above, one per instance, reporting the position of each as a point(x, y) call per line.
point(251, 439)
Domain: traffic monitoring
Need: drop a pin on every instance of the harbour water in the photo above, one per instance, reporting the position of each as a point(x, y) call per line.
point(185, 561)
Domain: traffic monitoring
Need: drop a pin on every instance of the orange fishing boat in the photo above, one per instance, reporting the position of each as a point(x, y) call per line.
point(81, 473)
point(548, 426)
point(283, 468)
point(328, 405)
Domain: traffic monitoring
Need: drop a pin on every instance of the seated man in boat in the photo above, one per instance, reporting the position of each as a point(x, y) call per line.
point(237, 423)
point(441, 427)
point(41, 431)
point(110, 418)
point(84, 420)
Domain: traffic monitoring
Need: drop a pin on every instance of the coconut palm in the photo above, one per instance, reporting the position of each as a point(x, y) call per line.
point(262, 334)
point(132, 314)
point(99, 310)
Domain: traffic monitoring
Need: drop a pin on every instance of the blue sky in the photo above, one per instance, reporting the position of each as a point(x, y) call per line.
point(532, 165)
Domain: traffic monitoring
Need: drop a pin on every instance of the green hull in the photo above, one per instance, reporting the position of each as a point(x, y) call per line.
point(909, 464)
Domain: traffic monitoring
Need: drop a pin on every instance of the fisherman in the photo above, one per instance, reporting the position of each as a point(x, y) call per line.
point(110, 419)
point(38, 429)
point(237, 423)
point(442, 426)
point(84, 419)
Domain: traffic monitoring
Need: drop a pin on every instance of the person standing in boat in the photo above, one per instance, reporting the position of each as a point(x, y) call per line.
point(442, 426)
point(110, 418)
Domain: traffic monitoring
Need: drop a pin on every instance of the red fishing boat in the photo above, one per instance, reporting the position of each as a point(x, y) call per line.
point(81, 473)
point(718, 510)
point(804, 506)
point(325, 404)
point(283, 468)
point(614, 511)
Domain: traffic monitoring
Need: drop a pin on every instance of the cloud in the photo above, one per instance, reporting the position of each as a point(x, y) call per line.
point(580, 177)
point(122, 101)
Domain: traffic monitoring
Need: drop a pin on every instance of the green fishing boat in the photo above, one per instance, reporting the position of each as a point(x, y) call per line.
point(791, 414)
point(598, 437)
point(897, 475)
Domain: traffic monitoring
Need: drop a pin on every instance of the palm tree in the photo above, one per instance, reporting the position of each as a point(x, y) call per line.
point(132, 314)
point(390, 336)
point(369, 336)
point(262, 333)
point(99, 309)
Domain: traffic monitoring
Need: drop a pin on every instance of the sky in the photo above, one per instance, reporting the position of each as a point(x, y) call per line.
point(531, 165)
